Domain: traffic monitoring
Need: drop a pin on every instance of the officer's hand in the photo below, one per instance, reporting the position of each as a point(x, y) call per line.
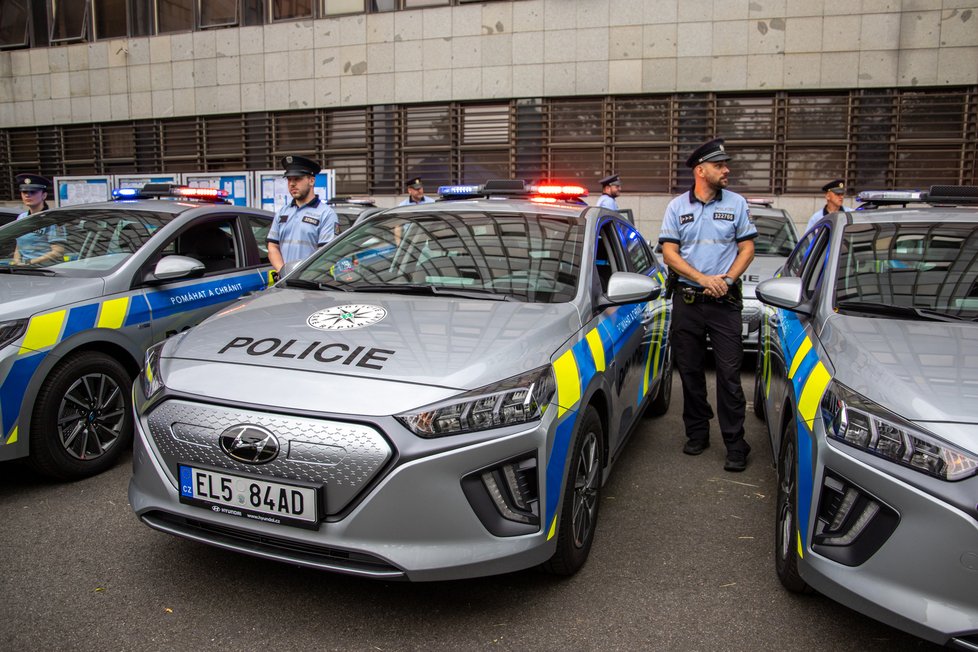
point(714, 286)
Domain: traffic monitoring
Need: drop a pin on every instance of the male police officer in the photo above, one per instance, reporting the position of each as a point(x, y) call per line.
point(610, 188)
point(708, 240)
point(304, 224)
point(835, 192)
point(46, 244)
point(416, 194)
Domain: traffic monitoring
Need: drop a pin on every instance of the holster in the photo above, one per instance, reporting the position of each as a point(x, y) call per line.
point(735, 295)
point(672, 280)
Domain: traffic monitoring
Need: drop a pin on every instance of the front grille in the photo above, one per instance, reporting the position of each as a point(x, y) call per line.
point(343, 457)
point(271, 547)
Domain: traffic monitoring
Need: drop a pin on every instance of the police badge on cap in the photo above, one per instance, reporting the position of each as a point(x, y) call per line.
point(415, 183)
point(711, 152)
point(610, 180)
point(299, 166)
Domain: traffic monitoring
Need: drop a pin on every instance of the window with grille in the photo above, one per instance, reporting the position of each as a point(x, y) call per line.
point(14, 23)
point(68, 20)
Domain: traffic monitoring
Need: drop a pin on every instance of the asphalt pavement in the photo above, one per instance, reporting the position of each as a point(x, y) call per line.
point(682, 560)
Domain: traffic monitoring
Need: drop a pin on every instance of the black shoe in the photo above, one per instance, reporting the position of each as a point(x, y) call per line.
point(695, 446)
point(736, 461)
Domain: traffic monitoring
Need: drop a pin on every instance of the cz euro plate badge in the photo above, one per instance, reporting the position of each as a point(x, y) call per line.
point(259, 500)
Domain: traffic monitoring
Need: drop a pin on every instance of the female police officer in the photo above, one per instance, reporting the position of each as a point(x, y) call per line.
point(708, 240)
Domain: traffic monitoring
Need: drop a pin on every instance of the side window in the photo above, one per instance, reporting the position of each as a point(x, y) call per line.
point(636, 249)
point(796, 262)
point(812, 274)
point(259, 228)
point(213, 242)
point(606, 260)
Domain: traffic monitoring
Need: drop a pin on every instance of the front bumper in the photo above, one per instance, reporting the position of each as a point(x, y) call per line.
point(923, 578)
point(413, 520)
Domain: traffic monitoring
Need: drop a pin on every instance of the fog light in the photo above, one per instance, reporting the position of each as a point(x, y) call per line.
point(852, 524)
point(505, 496)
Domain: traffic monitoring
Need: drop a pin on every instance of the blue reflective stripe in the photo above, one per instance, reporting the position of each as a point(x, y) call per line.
point(173, 301)
point(80, 319)
point(139, 312)
point(14, 386)
point(556, 464)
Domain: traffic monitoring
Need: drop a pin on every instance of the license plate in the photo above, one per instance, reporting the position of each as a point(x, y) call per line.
point(260, 500)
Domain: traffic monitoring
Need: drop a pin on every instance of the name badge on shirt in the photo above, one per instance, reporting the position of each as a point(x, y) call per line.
point(686, 219)
point(314, 221)
point(727, 217)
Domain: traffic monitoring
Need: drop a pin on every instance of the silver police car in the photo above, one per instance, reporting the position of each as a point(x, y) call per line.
point(85, 290)
point(869, 386)
point(776, 238)
point(439, 393)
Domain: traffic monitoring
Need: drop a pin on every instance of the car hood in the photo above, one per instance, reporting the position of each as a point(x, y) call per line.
point(761, 268)
point(924, 371)
point(438, 341)
point(23, 295)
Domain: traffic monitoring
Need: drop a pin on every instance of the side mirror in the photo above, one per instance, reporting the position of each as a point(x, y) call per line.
point(175, 267)
point(783, 293)
point(629, 287)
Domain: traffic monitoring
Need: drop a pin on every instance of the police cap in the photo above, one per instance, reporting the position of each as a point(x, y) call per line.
point(711, 152)
point(415, 182)
point(611, 180)
point(29, 182)
point(838, 186)
point(299, 166)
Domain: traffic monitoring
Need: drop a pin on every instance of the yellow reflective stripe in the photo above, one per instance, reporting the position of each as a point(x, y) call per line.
point(568, 382)
point(811, 393)
point(801, 554)
point(654, 352)
point(553, 529)
point(597, 348)
point(806, 346)
point(43, 331)
point(13, 436)
point(113, 313)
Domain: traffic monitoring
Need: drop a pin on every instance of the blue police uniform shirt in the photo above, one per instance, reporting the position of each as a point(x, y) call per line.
point(607, 201)
point(707, 234)
point(37, 243)
point(819, 214)
point(424, 200)
point(300, 230)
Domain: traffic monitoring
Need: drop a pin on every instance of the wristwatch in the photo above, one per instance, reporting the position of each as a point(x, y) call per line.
point(728, 280)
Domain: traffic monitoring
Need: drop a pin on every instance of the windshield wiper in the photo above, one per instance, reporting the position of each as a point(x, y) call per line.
point(420, 288)
point(898, 311)
point(314, 285)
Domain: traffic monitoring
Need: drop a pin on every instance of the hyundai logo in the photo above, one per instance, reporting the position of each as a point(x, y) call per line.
point(249, 444)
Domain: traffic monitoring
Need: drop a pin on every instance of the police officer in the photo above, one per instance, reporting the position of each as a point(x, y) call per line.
point(610, 188)
point(46, 244)
point(707, 239)
point(415, 190)
point(835, 192)
point(304, 224)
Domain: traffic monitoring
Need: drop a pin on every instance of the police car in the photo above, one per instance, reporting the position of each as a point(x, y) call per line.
point(776, 238)
point(347, 210)
point(869, 386)
point(117, 277)
point(438, 393)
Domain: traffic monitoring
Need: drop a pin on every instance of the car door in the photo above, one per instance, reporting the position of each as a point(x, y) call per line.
point(226, 245)
point(623, 327)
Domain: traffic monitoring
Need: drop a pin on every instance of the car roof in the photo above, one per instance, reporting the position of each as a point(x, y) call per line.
point(501, 205)
point(921, 213)
point(173, 207)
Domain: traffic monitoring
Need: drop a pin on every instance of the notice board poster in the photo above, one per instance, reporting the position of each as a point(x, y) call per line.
point(139, 180)
point(238, 184)
point(73, 190)
point(273, 189)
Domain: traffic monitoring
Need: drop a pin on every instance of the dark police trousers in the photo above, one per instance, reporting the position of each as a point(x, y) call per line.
point(690, 324)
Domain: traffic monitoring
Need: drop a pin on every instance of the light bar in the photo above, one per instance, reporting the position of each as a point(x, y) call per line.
point(560, 191)
point(126, 193)
point(200, 193)
point(761, 201)
point(890, 195)
point(460, 191)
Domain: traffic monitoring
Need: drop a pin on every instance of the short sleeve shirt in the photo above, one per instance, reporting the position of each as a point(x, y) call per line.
point(300, 230)
point(817, 215)
point(607, 201)
point(37, 243)
point(707, 234)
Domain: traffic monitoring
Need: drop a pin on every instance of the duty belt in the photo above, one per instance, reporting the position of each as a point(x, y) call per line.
point(695, 295)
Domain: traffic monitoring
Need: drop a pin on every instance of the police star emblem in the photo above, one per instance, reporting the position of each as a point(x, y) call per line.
point(346, 317)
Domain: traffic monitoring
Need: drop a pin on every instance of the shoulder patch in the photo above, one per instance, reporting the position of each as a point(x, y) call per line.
point(686, 219)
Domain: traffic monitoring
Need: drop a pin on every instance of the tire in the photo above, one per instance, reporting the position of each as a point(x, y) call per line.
point(579, 510)
point(786, 515)
point(82, 419)
point(759, 388)
point(659, 404)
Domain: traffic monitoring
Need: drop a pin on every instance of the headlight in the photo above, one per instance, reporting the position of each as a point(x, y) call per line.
point(151, 379)
point(510, 402)
point(856, 421)
point(11, 330)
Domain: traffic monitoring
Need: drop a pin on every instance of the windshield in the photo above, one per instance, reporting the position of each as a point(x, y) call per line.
point(524, 257)
point(76, 242)
point(775, 236)
point(915, 271)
